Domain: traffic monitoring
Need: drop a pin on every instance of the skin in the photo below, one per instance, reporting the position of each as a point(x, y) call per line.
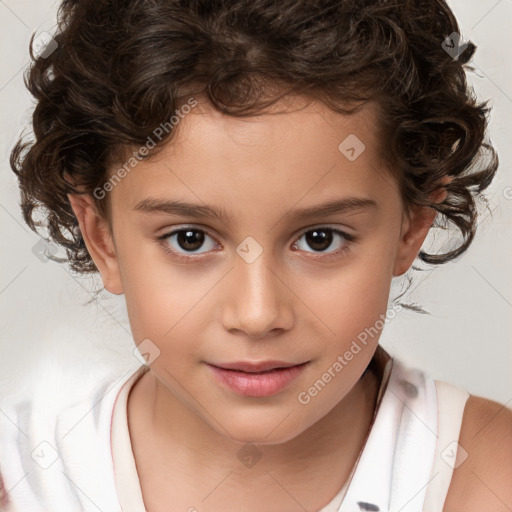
point(186, 428)
point(482, 481)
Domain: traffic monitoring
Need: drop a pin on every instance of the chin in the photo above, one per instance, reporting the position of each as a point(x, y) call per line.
point(269, 431)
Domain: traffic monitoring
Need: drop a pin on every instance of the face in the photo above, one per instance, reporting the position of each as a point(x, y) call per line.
point(275, 277)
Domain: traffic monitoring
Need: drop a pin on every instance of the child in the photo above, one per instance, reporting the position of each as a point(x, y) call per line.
point(251, 176)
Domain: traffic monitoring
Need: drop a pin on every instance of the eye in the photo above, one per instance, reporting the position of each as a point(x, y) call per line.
point(184, 244)
point(188, 239)
point(321, 238)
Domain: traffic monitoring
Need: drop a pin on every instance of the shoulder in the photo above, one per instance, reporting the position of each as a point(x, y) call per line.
point(483, 474)
point(63, 441)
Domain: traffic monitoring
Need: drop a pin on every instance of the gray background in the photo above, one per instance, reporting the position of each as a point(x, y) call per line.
point(50, 340)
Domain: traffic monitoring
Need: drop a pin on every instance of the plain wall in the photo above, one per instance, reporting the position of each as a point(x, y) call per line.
point(50, 337)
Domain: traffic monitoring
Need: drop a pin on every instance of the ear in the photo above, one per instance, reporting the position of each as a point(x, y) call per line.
point(98, 240)
point(415, 227)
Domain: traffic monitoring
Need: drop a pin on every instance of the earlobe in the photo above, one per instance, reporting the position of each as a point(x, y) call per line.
point(98, 241)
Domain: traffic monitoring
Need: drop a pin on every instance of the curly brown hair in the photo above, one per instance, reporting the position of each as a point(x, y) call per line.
point(121, 67)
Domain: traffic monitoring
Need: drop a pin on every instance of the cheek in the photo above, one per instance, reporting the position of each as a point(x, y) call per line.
point(352, 299)
point(158, 308)
point(164, 302)
point(352, 307)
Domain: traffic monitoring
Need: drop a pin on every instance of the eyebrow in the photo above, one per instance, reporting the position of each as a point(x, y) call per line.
point(199, 211)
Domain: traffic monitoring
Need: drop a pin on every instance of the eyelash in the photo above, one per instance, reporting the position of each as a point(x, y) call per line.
point(349, 239)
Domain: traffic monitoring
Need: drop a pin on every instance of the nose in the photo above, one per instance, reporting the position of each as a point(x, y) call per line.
point(258, 301)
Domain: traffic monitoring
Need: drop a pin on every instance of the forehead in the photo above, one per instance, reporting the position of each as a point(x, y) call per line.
point(297, 150)
point(294, 126)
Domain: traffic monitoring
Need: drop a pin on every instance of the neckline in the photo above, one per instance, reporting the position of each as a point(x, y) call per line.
point(381, 365)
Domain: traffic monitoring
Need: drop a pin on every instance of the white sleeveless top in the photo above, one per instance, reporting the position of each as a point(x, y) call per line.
point(82, 460)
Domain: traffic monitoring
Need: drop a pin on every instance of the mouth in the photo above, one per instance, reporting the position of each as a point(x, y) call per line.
point(257, 379)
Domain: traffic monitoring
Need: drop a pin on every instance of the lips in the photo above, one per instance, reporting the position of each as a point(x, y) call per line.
point(252, 379)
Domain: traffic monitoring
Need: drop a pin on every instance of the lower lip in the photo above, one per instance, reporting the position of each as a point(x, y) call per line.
point(257, 384)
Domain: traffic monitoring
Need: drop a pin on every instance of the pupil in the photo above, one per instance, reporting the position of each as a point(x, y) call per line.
point(190, 240)
point(318, 239)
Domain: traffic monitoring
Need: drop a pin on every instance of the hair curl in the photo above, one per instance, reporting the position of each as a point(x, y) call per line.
point(122, 66)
